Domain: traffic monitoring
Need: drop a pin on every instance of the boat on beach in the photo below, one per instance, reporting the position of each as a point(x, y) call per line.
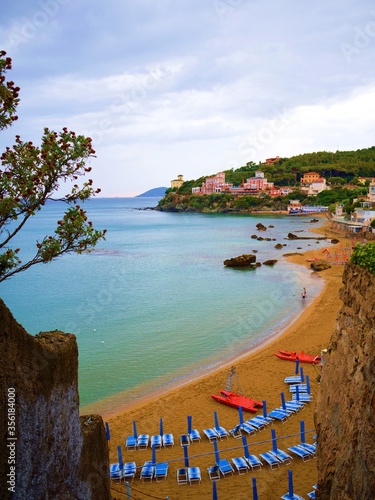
point(236, 400)
point(300, 356)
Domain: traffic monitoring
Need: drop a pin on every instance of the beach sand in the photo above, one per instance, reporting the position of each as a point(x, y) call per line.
point(261, 377)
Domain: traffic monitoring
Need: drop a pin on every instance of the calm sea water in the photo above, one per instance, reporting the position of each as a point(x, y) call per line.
point(153, 305)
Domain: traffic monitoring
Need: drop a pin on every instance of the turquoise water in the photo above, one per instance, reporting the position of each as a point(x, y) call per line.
point(153, 305)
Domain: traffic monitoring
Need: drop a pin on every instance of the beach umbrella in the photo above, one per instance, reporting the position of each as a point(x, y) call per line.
point(214, 492)
point(153, 456)
point(216, 420)
point(264, 409)
point(297, 366)
point(186, 456)
point(297, 392)
point(302, 374)
point(107, 431)
point(190, 425)
point(283, 400)
point(274, 442)
point(161, 426)
point(135, 434)
point(119, 454)
point(128, 489)
point(245, 446)
point(217, 456)
point(240, 414)
point(290, 483)
point(255, 491)
point(302, 430)
point(308, 384)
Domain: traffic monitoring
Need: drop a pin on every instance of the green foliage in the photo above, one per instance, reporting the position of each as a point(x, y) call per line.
point(364, 256)
point(31, 176)
point(372, 223)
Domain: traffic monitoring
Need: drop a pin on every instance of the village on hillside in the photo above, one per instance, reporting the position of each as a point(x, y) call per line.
point(311, 184)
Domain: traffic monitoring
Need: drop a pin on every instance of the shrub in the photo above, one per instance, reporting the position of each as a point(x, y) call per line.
point(364, 256)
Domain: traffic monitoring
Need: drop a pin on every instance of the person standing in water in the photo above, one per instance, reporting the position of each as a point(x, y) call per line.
point(303, 294)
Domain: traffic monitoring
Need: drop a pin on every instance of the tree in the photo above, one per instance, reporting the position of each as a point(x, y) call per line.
point(30, 176)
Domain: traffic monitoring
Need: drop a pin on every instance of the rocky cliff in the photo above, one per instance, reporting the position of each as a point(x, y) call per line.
point(47, 450)
point(345, 412)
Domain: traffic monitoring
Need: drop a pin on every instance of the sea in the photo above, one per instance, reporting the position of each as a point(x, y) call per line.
point(153, 306)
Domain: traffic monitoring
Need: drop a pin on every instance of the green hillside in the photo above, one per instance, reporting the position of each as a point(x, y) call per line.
point(341, 169)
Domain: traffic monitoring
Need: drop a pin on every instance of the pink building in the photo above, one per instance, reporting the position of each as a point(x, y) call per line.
point(257, 183)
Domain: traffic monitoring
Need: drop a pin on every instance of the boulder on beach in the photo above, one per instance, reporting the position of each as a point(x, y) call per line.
point(241, 261)
point(320, 265)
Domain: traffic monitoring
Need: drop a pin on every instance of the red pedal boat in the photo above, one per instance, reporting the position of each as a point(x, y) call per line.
point(301, 356)
point(235, 400)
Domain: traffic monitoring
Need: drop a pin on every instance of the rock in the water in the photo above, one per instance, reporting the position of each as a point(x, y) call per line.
point(241, 261)
point(320, 265)
point(260, 227)
point(269, 262)
point(254, 236)
point(335, 241)
point(278, 246)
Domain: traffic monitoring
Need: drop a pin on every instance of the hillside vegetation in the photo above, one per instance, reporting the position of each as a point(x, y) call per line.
point(341, 169)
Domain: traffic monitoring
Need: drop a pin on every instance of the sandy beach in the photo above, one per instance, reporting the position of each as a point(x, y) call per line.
point(261, 376)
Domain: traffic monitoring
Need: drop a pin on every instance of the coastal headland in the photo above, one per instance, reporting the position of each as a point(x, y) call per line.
point(261, 376)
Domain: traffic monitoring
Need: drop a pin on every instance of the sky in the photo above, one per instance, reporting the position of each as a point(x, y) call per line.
point(192, 87)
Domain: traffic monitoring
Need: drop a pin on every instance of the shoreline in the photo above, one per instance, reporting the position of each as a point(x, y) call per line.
point(188, 379)
point(261, 376)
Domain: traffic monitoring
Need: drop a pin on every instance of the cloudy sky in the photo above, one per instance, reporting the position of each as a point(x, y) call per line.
point(192, 87)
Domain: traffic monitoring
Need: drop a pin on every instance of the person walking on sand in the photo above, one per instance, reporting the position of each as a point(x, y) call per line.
point(303, 294)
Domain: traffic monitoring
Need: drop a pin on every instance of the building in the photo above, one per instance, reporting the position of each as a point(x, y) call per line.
point(371, 191)
point(257, 183)
point(310, 177)
point(216, 184)
point(177, 183)
point(271, 161)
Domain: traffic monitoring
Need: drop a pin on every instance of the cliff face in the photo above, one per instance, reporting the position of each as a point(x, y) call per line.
point(47, 452)
point(345, 413)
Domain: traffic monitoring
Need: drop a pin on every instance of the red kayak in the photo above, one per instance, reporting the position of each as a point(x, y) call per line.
point(235, 400)
point(301, 356)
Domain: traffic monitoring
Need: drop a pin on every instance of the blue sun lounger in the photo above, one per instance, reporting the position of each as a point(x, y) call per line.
point(225, 467)
point(214, 472)
point(184, 440)
point(253, 462)
point(194, 435)
point(147, 472)
point(156, 442)
point(182, 476)
point(301, 452)
point(281, 455)
point(168, 440)
point(131, 443)
point(270, 459)
point(161, 471)
point(115, 472)
point(130, 469)
point(211, 434)
point(256, 423)
point(241, 465)
point(142, 441)
point(279, 415)
point(194, 475)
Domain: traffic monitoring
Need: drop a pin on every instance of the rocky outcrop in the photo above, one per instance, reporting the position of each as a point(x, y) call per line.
point(320, 265)
point(270, 262)
point(241, 261)
point(52, 456)
point(345, 412)
point(261, 227)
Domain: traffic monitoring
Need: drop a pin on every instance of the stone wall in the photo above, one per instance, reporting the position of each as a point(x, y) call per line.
point(55, 455)
point(345, 412)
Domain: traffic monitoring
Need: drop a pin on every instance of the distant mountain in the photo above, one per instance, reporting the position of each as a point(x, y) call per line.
point(160, 191)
